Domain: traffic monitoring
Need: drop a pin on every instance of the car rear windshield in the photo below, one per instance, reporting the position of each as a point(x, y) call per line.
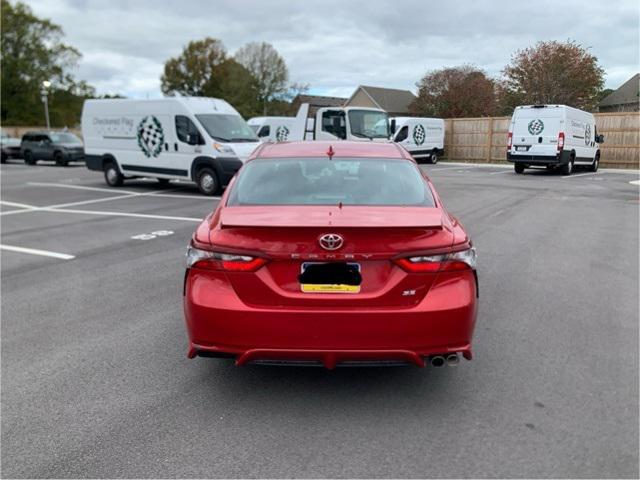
point(320, 181)
point(227, 128)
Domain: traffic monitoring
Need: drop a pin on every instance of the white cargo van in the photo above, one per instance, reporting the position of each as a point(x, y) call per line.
point(272, 129)
point(195, 138)
point(422, 137)
point(554, 136)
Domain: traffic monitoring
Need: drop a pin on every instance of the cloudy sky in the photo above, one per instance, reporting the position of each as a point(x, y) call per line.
point(336, 45)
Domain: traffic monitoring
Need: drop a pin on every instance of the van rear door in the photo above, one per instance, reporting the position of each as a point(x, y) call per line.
point(535, 130)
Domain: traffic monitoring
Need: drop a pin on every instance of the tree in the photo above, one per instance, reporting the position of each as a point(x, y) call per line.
point(554, 72)
point(32, 52)
point(463, 91)
point(203, 69)
point(268, 68)
point(196, 72)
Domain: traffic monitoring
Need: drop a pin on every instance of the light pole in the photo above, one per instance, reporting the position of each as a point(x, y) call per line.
point(45, 99)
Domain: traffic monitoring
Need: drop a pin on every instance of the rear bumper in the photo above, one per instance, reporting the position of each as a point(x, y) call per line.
point(220, 324)
point(540, 160)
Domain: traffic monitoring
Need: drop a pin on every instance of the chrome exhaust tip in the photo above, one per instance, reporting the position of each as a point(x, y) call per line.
point(437, 361)
point(453, 359)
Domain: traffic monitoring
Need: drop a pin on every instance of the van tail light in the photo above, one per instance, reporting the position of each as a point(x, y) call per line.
point(560, 141)
point(228, 262)
point(509, 141)
point(448, 262)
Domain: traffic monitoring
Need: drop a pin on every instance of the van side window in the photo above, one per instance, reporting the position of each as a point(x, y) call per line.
point(185, 127)
point(333, 122)
point(265, 131)
point(402, 134)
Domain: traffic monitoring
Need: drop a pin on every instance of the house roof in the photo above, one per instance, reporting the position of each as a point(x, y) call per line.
point(320, 101)
point(625, 94)
point(388, 99)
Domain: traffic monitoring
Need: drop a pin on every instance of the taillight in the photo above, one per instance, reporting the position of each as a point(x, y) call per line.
point(560, 141)
point(447, 262)
point(509, 141)
point(229, 262)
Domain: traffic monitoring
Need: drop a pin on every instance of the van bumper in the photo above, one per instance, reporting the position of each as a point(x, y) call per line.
point(540, 160)
point(93, 162)
point(227, 168)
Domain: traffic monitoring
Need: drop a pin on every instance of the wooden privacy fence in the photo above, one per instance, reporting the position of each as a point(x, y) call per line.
point(484, 139)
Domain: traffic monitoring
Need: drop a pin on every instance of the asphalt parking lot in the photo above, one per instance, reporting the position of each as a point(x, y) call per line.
point(95, 381)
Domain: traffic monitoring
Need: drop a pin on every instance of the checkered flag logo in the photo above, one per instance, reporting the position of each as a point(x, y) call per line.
point(150, 136)
point(587, 134)
point(418, 134)
point(535, 127)
point(282, 133)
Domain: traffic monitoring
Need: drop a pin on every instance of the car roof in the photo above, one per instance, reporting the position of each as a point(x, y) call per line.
point(341, 148)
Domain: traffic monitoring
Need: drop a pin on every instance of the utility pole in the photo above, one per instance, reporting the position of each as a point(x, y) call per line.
point(45, 99)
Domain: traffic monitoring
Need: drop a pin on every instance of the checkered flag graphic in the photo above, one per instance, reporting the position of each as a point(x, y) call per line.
point(419, 134)
point(535, 127)
point(150, 136)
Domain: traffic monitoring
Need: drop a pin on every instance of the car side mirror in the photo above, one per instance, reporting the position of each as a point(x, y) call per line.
point(193, 139)
point(392, 126)
point(599, 138)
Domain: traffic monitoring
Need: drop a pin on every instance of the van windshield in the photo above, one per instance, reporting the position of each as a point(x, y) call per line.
point(227, 128)
point(369, 123)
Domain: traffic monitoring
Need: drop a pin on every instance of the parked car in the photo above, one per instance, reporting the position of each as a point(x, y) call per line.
point(422, 137)
point(191, 138)
point(10, 146)
point(331, 254)
point(62, 147)
point(553, 136)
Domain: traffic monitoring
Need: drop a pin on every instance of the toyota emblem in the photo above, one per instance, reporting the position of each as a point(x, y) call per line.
point(331, 241)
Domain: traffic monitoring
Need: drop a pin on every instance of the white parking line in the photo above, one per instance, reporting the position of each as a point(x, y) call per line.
point(121, 214)
point(18, 205)
point(500, 173)
point(81, 187)
point(580, 175)
point(34, 251)
point(24, 208)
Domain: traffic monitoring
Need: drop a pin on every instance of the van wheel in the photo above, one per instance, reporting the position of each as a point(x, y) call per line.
point(596, 163)
point(112, 175)
point(433, 158)
point(59, 158)
point(28, 158)
point(518, 167)
point(568, 167)
point(207, 181)
point(163, 181)
point(4, 157)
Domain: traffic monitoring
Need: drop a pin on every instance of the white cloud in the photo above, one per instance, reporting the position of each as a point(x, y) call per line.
point(335, 45)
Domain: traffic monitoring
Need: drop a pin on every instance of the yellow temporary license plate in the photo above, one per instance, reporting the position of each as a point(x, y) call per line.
point(314, 284)
point(329, 288)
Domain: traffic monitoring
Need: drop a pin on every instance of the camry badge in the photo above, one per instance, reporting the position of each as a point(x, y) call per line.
point(331, 241)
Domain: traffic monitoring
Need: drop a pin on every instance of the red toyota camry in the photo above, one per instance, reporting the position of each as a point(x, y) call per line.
point(333, 255)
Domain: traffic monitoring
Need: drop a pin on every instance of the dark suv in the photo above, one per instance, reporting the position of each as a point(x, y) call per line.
point(63, 147)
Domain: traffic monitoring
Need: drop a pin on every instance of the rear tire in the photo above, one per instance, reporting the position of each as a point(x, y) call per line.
point(59, 158)
point(28, 158)
point(207, 181)
point(568, 167)
point(4, 157)
point(596, 163)
point(112, 175)
point(518, 168)
point(433, 158)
